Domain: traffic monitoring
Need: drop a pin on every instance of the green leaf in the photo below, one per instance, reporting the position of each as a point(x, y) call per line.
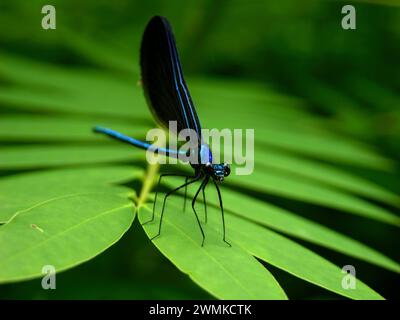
point(297, 168)
point(289, 166)
point(311, 192)
point(42, 156)
point(292, 187)
point(57, 129)
point(48, 87)
point(227, 273)
point(292, 257)
point(294, 225)
point(62, 232)
point(78, 82)
point(65, 103)
point(103, 54)
point(243, 235)
point(279, 125)
point(296, 131)
point(92, 101)
point(325, 148)
point(23, 191)
point(299, 227)
point(291, 224)
point(325, 173)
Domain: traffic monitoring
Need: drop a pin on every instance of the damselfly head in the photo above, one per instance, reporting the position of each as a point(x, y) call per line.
point(218, 171)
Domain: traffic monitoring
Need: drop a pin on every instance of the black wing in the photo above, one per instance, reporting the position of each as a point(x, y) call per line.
point(164, 86)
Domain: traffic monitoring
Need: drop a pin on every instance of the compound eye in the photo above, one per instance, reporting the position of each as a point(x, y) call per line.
point(227, 169)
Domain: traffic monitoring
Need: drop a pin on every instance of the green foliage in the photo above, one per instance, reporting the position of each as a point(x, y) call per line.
point(67, 195)
point(227, 273)
point(77, 212)
point(62, 232)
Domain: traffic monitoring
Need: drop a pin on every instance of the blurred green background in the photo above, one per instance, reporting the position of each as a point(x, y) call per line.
point(348, 78)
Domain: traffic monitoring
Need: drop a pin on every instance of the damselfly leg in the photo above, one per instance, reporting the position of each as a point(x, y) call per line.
point(197, 177)
point(222, 213)
point(184, 201)
point(205, 181)
point(204, 201)
point(158, 187)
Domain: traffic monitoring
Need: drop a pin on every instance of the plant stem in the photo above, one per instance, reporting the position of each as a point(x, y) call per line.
point(151, 172)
